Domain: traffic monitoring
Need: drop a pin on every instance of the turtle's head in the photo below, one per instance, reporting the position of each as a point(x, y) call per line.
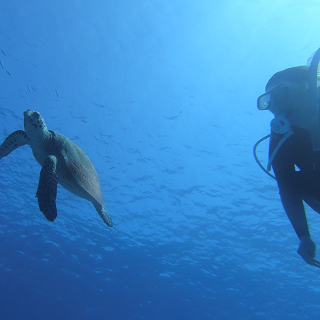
point(34, 124)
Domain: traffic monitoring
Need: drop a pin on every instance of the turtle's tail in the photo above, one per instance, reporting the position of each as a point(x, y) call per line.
point(104, 214)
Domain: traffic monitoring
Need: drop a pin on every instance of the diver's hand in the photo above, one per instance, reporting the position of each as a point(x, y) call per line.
point(307, 250)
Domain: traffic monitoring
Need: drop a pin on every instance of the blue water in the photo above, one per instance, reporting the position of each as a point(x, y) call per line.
point(161, 95)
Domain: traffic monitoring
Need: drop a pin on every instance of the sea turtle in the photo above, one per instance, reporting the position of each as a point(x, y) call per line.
point(62, 162)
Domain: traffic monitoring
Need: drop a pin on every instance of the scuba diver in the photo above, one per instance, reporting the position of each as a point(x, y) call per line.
point(294, 147)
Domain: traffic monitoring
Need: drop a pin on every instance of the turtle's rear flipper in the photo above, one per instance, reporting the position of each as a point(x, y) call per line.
point(47, 188)
point(104, 214)
point(12, 142)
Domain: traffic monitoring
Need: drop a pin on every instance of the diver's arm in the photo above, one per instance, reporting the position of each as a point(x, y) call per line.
point(290, 191)
point(291, 198)
point(294, 208)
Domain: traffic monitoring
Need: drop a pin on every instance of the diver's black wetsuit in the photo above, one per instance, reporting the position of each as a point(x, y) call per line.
point(295, 186)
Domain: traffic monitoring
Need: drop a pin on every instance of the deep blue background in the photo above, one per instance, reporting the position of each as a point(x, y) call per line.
point(162, 97)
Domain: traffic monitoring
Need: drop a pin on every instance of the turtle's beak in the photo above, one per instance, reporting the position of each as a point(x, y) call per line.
point(26, 113)
point(26, 117)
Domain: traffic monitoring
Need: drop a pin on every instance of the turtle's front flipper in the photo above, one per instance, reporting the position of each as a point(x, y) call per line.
point(47, 188)
point(104, 214)
point(13, 141)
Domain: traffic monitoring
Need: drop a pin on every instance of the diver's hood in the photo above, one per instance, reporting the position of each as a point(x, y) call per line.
point(309, 118)
point(283, 123)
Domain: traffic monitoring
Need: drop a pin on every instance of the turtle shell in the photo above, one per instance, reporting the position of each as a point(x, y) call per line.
point(78, 170)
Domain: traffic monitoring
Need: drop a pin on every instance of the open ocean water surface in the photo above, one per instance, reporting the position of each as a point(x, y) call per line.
point(161, 95)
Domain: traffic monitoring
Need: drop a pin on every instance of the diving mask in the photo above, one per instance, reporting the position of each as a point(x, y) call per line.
point(276, 96)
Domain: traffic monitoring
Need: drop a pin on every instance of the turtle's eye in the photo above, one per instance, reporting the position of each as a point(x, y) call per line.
point(36, 115)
